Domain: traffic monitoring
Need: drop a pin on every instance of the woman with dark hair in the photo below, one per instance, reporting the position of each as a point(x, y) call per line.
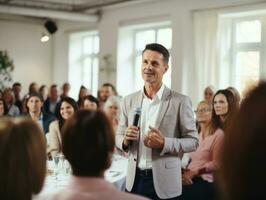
point(22, 158)
point(3, 107)
point(33, 88)
point(89, 102)
point(197, 178)
point(44, 92)
point(243, 160)
point(83, 91)
point(235, 93)
point(225, 107)
point(67, 107)
point(88, 145)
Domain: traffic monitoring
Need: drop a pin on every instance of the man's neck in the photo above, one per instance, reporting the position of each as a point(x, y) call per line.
point(35, 115)
point(152, 89)
point(53, 100)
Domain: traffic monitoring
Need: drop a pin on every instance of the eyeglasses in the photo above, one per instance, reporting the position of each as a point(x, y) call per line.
point(203, 110)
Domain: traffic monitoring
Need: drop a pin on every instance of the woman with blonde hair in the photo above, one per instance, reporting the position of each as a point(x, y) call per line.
point(112, 110)
point(22, 158)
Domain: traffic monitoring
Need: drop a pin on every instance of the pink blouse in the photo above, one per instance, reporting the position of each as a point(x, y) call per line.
point(205, 158)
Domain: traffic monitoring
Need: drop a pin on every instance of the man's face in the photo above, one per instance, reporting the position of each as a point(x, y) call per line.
point(17, 89)
point(105, 92)
point(34, 104)
point(54, 93)
point(66, 88)
point(153, 67)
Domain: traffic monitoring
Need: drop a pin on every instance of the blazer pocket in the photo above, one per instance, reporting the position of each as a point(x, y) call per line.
point(171, 164)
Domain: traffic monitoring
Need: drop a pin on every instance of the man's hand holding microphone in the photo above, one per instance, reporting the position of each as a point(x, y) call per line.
point(152, 139)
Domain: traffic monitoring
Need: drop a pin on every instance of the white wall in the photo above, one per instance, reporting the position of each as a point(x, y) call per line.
point(32, 59)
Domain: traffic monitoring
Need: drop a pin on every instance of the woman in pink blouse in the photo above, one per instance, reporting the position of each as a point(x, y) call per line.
point(198, 176)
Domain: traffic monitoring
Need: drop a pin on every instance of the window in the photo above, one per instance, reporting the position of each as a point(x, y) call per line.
point(248, 47)
point(84, 61)
point(160, 34)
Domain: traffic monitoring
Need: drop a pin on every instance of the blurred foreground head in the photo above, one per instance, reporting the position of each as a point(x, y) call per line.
point(22, 158)
point(243, 160)
point(88, 143)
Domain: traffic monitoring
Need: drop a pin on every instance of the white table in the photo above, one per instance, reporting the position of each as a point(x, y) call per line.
point(116, 174)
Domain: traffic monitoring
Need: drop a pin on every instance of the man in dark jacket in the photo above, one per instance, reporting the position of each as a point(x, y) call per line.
point(34, 106)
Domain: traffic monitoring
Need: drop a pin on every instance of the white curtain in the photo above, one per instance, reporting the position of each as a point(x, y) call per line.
point(206, 51)
point(225, 52)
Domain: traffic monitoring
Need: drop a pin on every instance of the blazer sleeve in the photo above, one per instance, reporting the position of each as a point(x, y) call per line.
point(53, 138)
point(123, 123)
point(188, 140)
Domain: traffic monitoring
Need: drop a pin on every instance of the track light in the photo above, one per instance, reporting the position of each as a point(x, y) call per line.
point(44, 38)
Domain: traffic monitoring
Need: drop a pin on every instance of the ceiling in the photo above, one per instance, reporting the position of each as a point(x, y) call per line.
point(73, 10)
point(63, 5)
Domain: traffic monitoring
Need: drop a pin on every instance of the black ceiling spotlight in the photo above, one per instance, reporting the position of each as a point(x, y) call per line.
point(50, 26)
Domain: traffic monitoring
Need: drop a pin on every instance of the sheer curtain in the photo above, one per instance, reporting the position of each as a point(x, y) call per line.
point(206, 51)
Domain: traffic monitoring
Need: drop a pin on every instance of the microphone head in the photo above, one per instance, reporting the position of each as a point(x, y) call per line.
point(137, 110)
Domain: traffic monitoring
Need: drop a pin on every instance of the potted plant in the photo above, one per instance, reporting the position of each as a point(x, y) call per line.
point(6, 67)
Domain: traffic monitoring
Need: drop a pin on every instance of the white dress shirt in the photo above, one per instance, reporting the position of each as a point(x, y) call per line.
point(149, 113)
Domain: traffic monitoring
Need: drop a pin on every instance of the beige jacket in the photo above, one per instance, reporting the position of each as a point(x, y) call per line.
point(177, 124)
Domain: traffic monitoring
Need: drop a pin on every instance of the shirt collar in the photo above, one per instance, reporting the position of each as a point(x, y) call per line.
point(158, 95)
point(41, 116)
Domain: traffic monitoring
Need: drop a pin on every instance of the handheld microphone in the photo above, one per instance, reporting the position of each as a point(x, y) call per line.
point(137, 113)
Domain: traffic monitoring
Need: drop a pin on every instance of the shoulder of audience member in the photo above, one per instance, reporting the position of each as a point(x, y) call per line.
point(54, 124)
point(219, 132)
point(48, 116)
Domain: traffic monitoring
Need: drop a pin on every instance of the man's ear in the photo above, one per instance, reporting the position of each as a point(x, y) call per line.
point(166, 67)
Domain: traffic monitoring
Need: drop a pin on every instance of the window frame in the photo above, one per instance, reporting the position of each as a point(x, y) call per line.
point(78, 39)
point(137, 53)
point(246, 47)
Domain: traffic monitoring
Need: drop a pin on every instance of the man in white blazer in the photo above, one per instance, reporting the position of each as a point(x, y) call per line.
point(166, 130)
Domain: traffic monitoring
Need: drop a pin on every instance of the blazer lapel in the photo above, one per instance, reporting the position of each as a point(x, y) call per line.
point(139, 100)
point(164, 105)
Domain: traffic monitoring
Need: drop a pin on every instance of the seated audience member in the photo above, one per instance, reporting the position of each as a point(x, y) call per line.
point(24, 110)
point(65, 90)
point(89, 102)
point(112, 110)
point(44, 92)
point(67, 107)
point(225, 107)
point(83, 91)
point(243, 160)
point(34, 106)
point(106, 90)
point(9, 98)
point(235, 93)
point(3, 108)
point(197, 178)
point(209, 91)
point(51, 105)
point(22, 158)
point(88, 145)
point(17, 90)
point(33, 88)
